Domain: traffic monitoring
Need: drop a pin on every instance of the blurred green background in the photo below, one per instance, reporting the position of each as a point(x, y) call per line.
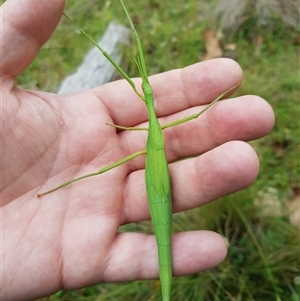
point(263, 261)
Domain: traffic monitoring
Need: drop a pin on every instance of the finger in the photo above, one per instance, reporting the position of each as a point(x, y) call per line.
point(26, 26)
point(174, 91)
point(226, 169)
point(134, 256)
point(243, 118)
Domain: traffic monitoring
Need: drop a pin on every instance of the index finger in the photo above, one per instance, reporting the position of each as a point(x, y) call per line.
point(174, 91)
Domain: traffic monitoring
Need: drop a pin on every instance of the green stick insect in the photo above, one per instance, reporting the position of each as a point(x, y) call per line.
point(157, 175)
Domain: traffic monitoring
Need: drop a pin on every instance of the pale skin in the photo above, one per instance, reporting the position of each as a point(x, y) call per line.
point(69, 239)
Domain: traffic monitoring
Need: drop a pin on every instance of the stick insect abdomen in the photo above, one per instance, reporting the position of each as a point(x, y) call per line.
point(158, 185)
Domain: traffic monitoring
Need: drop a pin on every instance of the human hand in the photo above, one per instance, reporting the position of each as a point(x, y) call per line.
point(68, 239)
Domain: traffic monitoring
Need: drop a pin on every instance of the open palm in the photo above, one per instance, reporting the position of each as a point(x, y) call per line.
point(69, 239)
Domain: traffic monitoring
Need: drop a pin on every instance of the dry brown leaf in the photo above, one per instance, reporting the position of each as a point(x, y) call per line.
point(230, 46)
point(212, 45)
point(294, 208)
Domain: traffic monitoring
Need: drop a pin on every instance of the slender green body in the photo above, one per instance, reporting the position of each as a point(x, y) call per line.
point(157, 176)
point(158, 185)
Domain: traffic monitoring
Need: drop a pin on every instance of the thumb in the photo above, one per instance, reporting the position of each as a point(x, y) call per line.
point(26, 26)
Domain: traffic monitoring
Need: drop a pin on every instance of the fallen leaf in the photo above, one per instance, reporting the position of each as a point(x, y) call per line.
point(212, 45)
point(294, 208)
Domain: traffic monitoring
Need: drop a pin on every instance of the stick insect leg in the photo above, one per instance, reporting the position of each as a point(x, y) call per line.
point(100, 171)
point(127, 128)
point(110, 59)
point(194, 116)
